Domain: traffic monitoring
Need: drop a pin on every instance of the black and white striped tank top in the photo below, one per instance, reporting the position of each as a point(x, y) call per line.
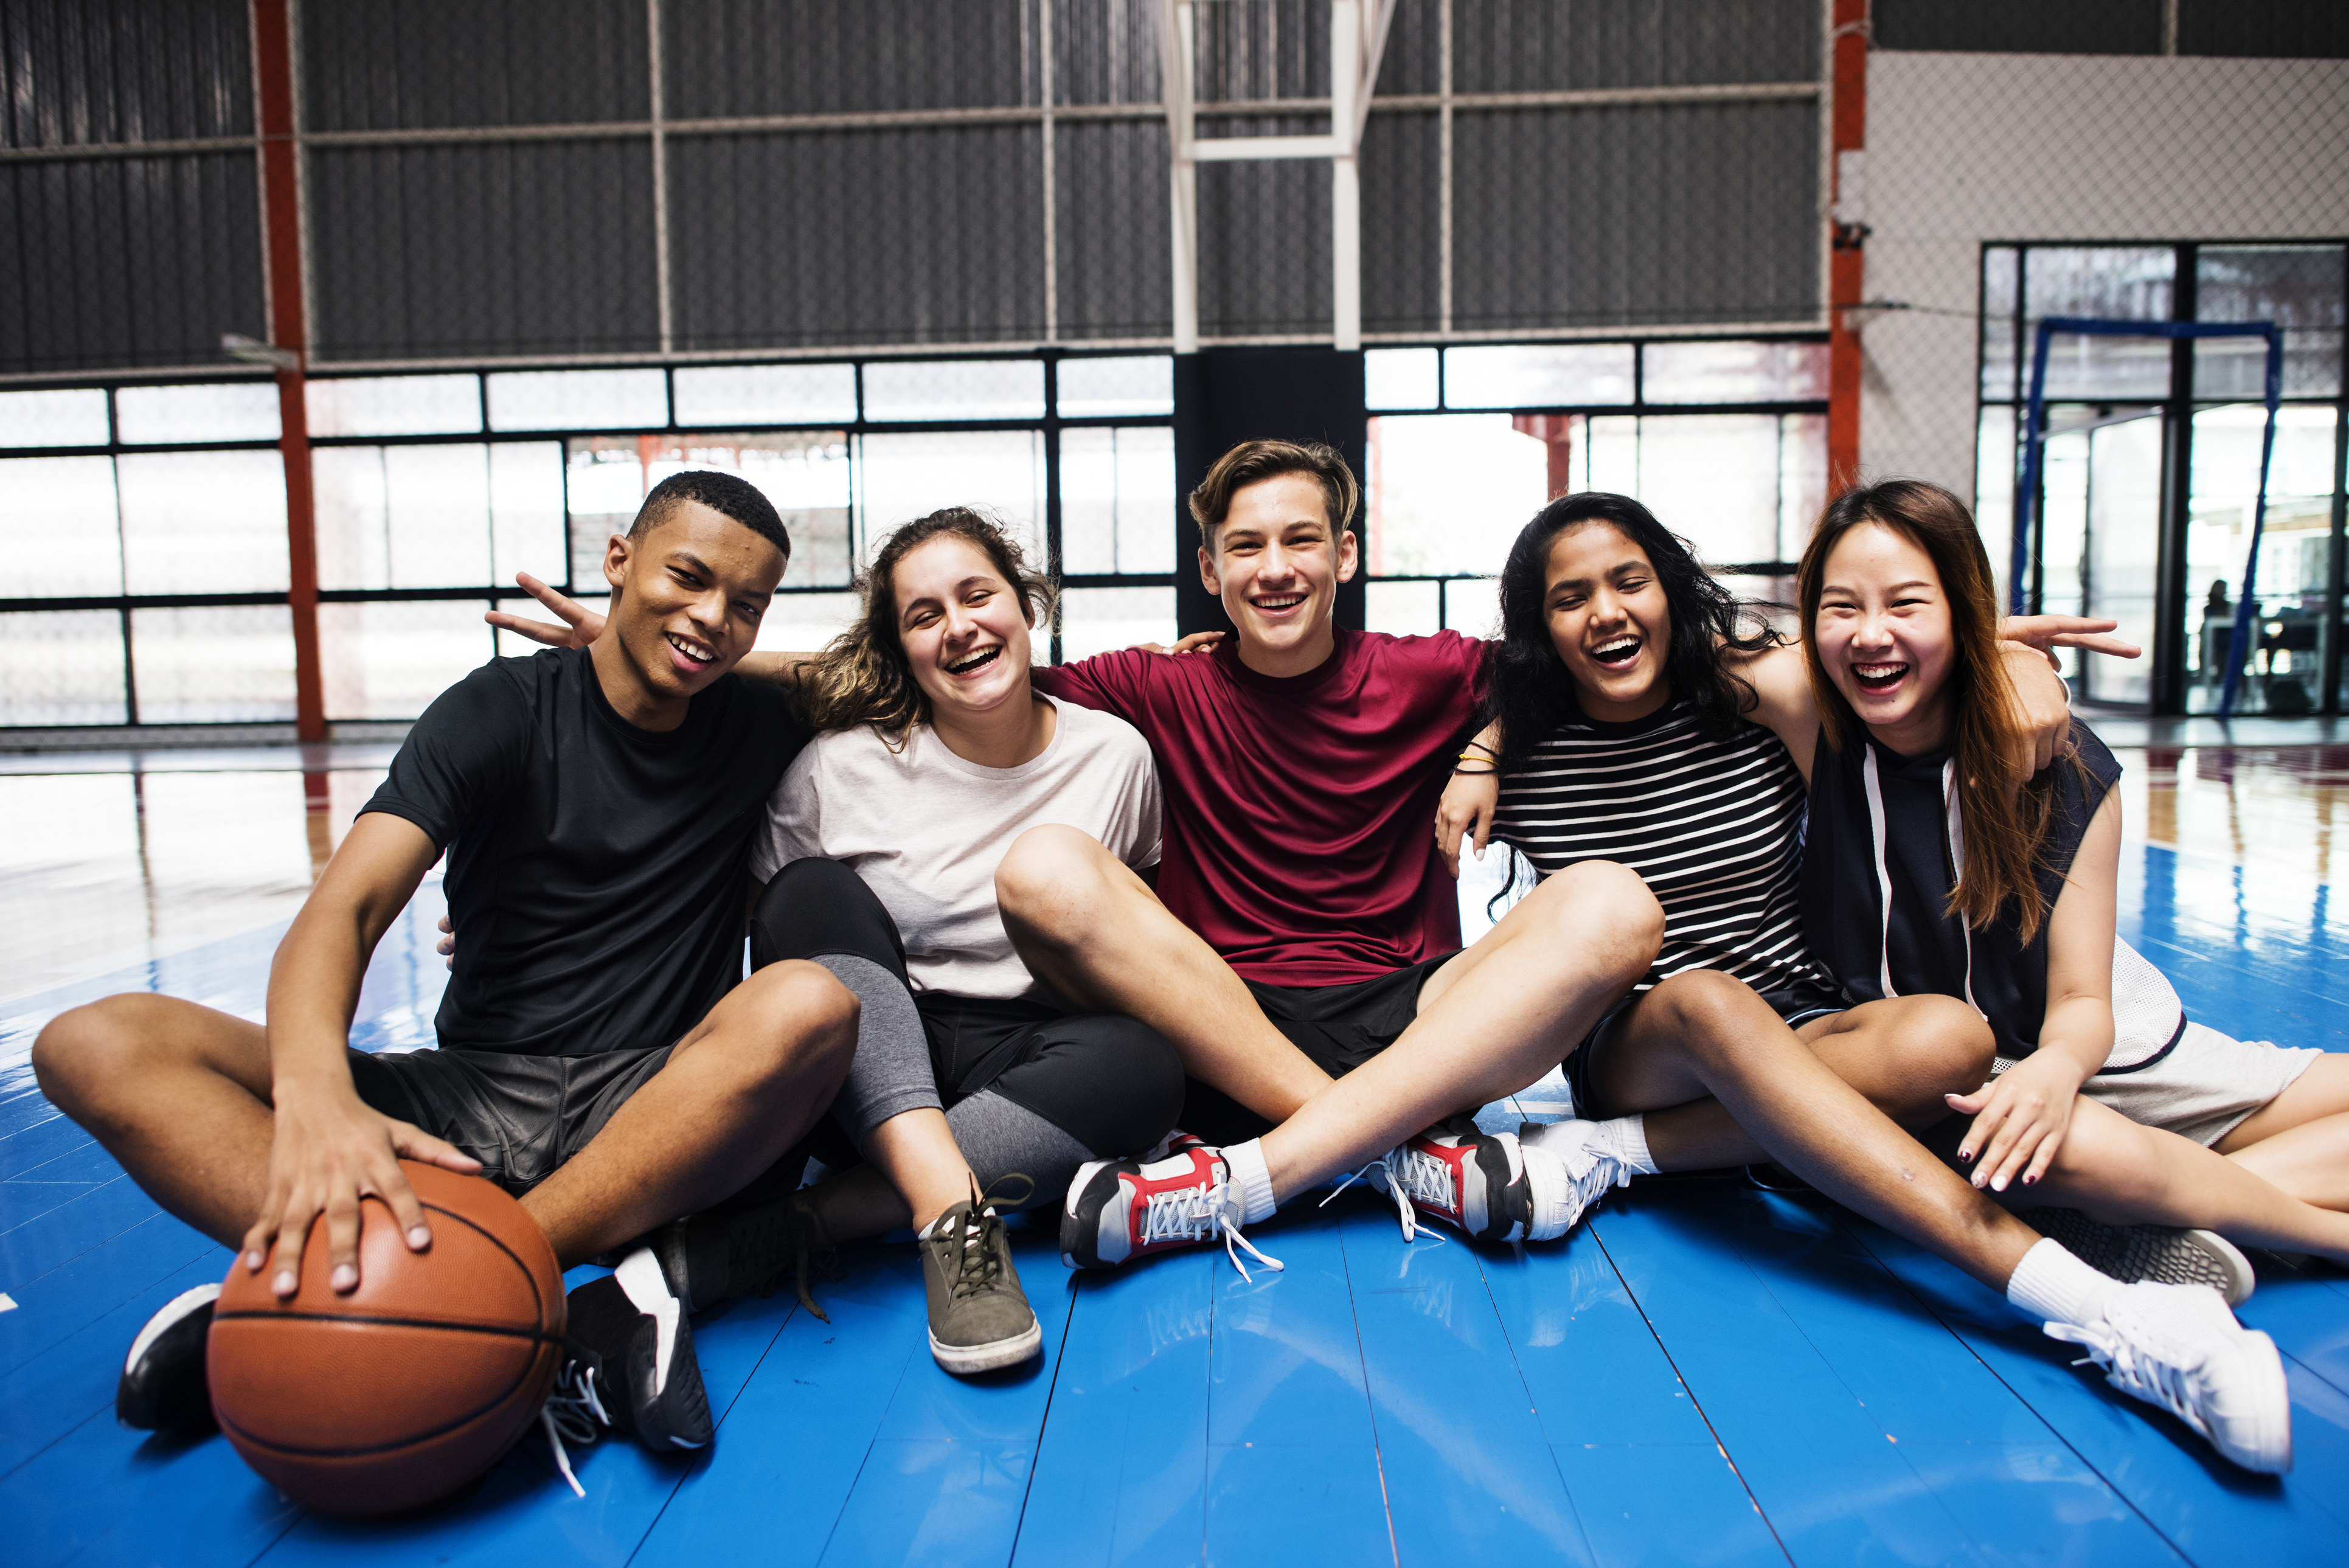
point(1712, 825)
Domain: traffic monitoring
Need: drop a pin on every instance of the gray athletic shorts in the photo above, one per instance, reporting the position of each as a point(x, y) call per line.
point(521, 1116)
point(2202, 1087)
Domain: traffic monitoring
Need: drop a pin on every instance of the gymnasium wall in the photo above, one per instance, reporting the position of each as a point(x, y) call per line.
point(1969, 148)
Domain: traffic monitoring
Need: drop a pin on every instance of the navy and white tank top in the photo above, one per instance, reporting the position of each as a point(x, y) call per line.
point(1883, 845)
point(1712, 823)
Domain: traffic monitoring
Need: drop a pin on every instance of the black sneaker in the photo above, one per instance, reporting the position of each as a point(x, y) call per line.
point(164, 1387)
point(720, 1255)
point(979, 1317)
point(629, 1329)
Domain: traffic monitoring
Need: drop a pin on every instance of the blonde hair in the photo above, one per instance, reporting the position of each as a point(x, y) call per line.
point(2005, 827)
point(862, 676)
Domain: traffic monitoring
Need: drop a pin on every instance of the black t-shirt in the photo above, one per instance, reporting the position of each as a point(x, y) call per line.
point(1866, 940)
point(596, 870)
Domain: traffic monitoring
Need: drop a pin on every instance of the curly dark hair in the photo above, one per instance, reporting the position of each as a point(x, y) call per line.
point(1528, 687)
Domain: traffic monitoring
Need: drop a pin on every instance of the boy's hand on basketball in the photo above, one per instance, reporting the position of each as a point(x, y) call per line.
point(2020, 1120)
point(581, 626)
point(1467, 807)
point(328, 1149)
point(2048, 633)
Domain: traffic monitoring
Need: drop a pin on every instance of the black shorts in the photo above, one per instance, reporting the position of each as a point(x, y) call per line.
point(1338, 1026)
point(1797, 1005)
point(523, 1115)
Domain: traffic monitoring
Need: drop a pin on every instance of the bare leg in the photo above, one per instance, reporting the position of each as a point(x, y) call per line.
point(914, 1172)
point(178, 1093)
point(1902, 1055)
point(2122, 1173)
point(1093, 931)
point(742, 1086)
point(1490, 1022)
point(2298, 1141)
point(1706, 1034)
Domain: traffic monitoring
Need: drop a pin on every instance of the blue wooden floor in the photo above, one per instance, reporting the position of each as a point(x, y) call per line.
point(1704, 1372)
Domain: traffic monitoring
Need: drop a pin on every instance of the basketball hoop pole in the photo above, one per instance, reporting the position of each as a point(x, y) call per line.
point(2028, 515)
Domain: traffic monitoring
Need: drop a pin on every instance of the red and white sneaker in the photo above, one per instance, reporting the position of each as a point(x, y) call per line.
point(1490, 1185)
point(1120, 1210)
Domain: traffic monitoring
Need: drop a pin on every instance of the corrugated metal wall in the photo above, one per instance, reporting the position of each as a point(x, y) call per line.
point(481, 179)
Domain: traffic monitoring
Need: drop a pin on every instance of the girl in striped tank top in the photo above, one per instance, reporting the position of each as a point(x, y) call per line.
point(1635, 717)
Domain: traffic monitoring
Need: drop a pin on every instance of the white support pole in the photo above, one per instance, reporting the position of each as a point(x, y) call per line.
point(1174, 65)
point(1345, 178)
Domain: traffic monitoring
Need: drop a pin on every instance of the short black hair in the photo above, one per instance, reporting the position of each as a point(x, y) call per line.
point(729, 494)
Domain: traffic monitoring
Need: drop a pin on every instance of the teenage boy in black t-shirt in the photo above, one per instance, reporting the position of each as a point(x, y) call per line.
point(601, 1055)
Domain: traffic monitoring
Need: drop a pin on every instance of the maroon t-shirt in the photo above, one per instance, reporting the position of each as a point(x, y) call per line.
point(1301, 811)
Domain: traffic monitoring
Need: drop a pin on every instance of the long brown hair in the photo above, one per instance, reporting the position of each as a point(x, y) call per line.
point(2005, 829)
point(862, 676)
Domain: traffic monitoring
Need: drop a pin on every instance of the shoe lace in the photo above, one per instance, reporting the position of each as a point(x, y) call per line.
point(979, 1263)
point(1198, 1213)
point(1410, 1176)
point(573, 1410)
point(2131, 1366)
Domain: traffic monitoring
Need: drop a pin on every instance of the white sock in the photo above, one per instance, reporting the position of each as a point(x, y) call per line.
point(1250, 1177)
point(2053, 1285)
point(647, 1287)
point(1626, 1138)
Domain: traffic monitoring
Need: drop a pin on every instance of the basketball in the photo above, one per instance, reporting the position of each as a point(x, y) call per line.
point(413, 1384)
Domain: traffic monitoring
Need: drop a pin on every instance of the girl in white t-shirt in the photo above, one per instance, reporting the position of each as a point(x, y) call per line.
point(879, 862)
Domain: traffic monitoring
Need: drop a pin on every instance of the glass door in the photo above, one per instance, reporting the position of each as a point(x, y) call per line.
point(2101, 541)
point(2289, 628)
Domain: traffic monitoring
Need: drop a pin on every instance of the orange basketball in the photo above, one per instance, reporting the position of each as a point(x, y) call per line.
point(413, 1384)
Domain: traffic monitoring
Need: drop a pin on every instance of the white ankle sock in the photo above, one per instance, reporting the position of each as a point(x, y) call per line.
point(1626, 1138)
point(1251, 1178)
point(2053, 1285)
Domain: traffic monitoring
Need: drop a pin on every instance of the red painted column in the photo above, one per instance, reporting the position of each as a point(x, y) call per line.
point(1844, 271)
point(281, 197)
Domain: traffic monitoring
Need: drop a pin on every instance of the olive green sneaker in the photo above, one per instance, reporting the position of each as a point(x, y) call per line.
point(979, 1317)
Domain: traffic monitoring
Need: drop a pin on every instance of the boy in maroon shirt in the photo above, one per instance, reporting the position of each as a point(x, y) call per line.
point(1302, 948)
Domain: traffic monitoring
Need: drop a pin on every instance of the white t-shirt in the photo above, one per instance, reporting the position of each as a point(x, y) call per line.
point(925, 829)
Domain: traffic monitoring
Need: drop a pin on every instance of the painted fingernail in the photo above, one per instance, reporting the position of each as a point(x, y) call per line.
point(345, 1276)
point(285, 1283)
point(418, 1237)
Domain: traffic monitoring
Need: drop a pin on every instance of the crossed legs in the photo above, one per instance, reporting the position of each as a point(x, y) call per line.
point(1491, 1021)
point(179, 1094)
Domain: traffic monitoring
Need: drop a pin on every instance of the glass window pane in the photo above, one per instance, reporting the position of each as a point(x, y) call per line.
point(955, 389)
point(1538, 375)
point(729, 395)
point(2001, 273)
point(578, 400)
point(213, 665)
point(1713, 479)
point(1802, 481)
point(803, 622)
point(394, 406)
point(2107, 281)
point(1100, 620)
point(805, 475)
point(2298, 287)
point(352, 517)
point(64, 667)
point(1613, 447)
point(2292, 559)
point(2064, 527)
point(218, 411)
point(440, 506)
point(526, 523)
point(1450, 492)
point(389, 661)
point(1472, 605)
point(58, 537)
point(1735, 372)
point(204, 522)
point(63, 418)
point(1117, 499)
point(1127, 385)
point(1403, 379)
point(2124, 544)
point(1995, 477)
point(1404, 609)
point(901, 477)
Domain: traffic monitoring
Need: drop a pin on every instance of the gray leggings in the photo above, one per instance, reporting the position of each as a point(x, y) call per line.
point(1024, 1086)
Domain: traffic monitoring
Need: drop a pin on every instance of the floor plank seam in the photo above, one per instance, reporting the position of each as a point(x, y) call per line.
point(1695, 1403)
point(1044, 1417)
point(1377, 1449)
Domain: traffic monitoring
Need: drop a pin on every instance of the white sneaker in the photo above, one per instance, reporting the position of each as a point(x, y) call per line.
point(1583, 1173)
point(2177, 1345)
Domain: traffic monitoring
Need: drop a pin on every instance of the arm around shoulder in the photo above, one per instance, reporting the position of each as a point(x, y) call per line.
point(1784, 702)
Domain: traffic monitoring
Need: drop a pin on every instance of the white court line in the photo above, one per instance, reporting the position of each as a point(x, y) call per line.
point(7, 1301)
